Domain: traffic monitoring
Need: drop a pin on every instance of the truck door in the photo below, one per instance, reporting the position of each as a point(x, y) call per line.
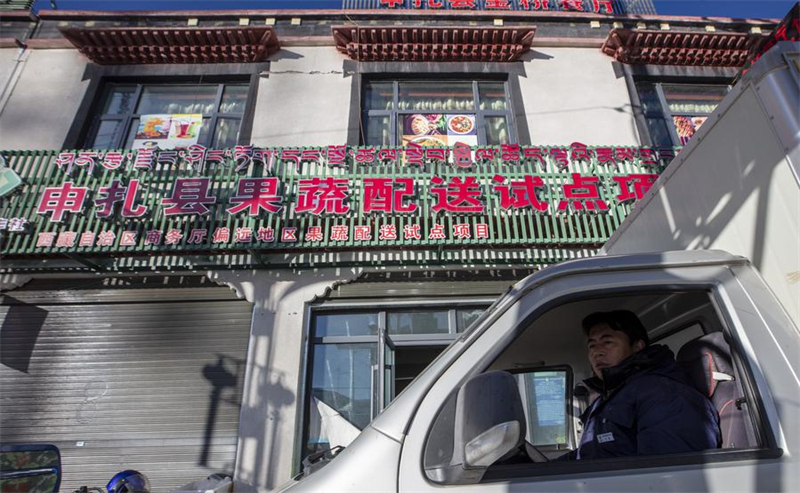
point(683, 299)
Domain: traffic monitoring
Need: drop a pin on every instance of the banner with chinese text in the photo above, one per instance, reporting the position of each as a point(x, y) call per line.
point(595, 6)
point(337, 197)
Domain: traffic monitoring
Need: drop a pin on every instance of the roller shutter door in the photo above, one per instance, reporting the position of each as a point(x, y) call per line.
point(141, 374)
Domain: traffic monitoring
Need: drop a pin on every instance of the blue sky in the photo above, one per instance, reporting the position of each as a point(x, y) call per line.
point(715, 8)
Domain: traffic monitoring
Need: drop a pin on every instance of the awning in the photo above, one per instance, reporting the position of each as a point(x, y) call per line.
point(704, 49)
point(137, 45)
point(426, 43)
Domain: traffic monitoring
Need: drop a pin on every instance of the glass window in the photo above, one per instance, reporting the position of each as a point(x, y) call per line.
point(226, 134)
point(120, 100)
point(380, 95)
point(648, 98)
point(675, 112)
point(361, 360)
point(343, 393)
point(106, 134)
point(346, 324)
point(379, 131)
point(465, 317)
point(436, 113)
point(496, 130)
point(492, 96)
point(158, 100)
point(124, 106)
point(234, 99)
point(418, 322)
point(436, 96)
point(693, 100)
point(659, 132)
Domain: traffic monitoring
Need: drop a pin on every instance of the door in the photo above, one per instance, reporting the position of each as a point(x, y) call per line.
point(125, 373)
point(543, 328)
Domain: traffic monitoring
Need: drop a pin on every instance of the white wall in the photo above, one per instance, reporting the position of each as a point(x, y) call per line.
point(572, 95)
point(569, 95)
point(45, 100)
point(304, 100)
point(7, 67)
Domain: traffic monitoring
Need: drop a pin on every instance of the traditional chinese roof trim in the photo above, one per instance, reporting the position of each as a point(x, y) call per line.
point(705, 49)
point(428, 43)
point(135, 45)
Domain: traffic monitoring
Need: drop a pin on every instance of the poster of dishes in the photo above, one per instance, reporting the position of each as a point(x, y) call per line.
point(168, 131)
point(687, 126)
point(438, 130)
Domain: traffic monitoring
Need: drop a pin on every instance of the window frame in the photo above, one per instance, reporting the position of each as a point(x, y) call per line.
point(395, 113)
point(119, 140)
point(636, 76)
point(667, 114)
point(380, 339)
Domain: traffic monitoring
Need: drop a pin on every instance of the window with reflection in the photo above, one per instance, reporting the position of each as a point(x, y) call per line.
point(361, 360)
point(675, 112)
point(209, 115)
point(436, 113)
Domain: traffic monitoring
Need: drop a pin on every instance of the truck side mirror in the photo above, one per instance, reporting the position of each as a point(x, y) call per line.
point(33, 468)
point(487, 422)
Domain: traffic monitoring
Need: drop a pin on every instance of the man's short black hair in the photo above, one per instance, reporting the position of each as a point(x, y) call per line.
point(621, 320)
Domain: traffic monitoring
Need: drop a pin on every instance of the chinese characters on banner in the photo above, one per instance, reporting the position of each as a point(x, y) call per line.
point(248, 197)
point(595, 6)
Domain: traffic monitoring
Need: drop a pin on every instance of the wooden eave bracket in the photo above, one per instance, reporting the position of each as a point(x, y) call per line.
point(174, 45)
point(711, 49)
point(429, 43)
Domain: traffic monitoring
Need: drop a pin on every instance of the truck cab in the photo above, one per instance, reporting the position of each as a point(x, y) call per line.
point(495, 409)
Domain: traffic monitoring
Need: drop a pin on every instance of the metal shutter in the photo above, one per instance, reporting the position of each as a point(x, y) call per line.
point(141, 374)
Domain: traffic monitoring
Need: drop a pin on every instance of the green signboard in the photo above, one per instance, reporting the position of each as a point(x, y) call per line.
point(320, 199)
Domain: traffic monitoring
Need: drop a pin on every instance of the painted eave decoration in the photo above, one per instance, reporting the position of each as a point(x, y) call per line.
point(703, 49)
point(171, 45)
point(427, 43)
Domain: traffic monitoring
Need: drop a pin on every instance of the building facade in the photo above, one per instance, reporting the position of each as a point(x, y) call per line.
point(230, 239)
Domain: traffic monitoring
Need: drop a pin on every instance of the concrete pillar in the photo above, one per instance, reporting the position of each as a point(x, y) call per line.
point(273, 388)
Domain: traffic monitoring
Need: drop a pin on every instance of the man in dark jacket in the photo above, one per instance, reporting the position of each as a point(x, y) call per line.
point(645, 404)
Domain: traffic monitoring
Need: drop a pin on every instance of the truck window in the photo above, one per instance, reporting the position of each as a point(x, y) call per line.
point(557, 382)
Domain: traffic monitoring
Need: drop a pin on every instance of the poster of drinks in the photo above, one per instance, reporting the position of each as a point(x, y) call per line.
point(439, 130)
point(168, 131)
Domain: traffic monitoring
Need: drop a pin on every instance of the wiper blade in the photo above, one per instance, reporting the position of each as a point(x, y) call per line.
point(318, 460)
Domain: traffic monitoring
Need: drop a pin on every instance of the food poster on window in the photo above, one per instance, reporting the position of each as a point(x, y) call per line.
point(439, 130)
point(168, 131)
point(687, 126)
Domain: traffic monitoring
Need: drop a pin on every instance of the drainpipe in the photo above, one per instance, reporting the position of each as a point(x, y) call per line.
point(16, 72)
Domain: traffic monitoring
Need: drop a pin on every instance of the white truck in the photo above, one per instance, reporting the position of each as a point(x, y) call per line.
point(730, 317)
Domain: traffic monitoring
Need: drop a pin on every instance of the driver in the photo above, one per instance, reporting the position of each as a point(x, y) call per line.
point(645, 405)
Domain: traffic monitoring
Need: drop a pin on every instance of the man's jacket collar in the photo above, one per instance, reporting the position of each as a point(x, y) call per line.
point(651, 358)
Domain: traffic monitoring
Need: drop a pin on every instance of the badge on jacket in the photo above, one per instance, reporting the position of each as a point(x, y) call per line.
point(605, 437)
